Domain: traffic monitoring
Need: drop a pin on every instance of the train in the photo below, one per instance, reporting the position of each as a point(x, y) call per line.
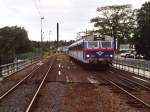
point(89, 52)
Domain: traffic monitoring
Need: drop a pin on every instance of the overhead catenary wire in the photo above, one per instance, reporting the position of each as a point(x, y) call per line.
point(112, 2)
point(45, 23)
point(37, 8)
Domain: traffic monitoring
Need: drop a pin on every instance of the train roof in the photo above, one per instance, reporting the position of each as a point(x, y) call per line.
point(77, 43)
point(84, 40)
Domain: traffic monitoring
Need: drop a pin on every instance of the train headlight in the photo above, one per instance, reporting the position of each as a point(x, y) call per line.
point(87, 55)
point(111, 55)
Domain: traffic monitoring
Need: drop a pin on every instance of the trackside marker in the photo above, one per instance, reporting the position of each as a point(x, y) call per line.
point(92, 81)
point(67, 78)
point(40, 63)
point(59, 65)
point(59, 72)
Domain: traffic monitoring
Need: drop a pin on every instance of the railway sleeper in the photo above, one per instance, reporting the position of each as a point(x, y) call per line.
point(135, 104)
point(104, 84)
point(127, 87)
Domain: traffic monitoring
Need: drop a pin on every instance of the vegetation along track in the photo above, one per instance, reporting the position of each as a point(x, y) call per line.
point(18, 97)
point(138, 94)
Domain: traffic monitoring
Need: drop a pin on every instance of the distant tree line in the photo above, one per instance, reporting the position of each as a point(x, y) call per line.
point(14, 41)
point(142, 32)
point(50, 45)
point(126, 25)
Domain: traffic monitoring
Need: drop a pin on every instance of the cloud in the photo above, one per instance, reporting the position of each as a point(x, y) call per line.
point(72, 15)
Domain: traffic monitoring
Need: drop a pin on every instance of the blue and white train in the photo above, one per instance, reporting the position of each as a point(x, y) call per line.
point(92, 52)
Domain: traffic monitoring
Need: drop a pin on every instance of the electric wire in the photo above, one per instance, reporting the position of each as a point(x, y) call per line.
point(37, 8)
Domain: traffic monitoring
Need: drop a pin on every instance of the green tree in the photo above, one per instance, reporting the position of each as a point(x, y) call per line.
point(117, 21)
point(14, 40)
point(142, 34)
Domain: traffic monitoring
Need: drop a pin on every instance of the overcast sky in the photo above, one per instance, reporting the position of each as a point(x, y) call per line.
point(73, 15)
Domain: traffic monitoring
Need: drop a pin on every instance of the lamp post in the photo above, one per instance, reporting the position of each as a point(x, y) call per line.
point(49, 42)
point(50, 38)
point(41, 36)
point(57, 36)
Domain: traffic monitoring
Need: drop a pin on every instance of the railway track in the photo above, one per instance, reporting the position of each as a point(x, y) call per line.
point(11, 82)
point(14, 78)
point(134, 90)
point(27, 66)
point(39, 88)
point(23, 92)
point(132, 76)
point(122, 76)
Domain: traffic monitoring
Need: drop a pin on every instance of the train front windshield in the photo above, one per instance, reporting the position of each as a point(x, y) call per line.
point(93, 45)
point(99, 44)
point(106, 44)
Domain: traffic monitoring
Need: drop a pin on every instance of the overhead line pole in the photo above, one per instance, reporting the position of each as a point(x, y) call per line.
point(57, 35)
point(41, 36)
point(50, 38)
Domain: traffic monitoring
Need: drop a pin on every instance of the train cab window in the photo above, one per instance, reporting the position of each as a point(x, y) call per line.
point(93, 45)
point(106, 44)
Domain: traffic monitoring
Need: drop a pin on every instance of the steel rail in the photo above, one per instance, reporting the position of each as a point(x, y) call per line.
point(39, 88)
point(128, 93)
point(133, 74)
point(132, 81)
point(36, 61)
point(16, 85)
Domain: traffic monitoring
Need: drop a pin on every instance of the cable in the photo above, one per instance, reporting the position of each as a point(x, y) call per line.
point(45, 22)
point(37, 8)
point(46, 27)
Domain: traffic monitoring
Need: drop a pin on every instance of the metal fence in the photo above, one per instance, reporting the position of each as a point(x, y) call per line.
point(18, 64)
point(140, 67)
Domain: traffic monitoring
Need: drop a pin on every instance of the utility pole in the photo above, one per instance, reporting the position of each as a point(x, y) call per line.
point(41, 36)
point(57, 35)
point(0, 67)
point(50, 38)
